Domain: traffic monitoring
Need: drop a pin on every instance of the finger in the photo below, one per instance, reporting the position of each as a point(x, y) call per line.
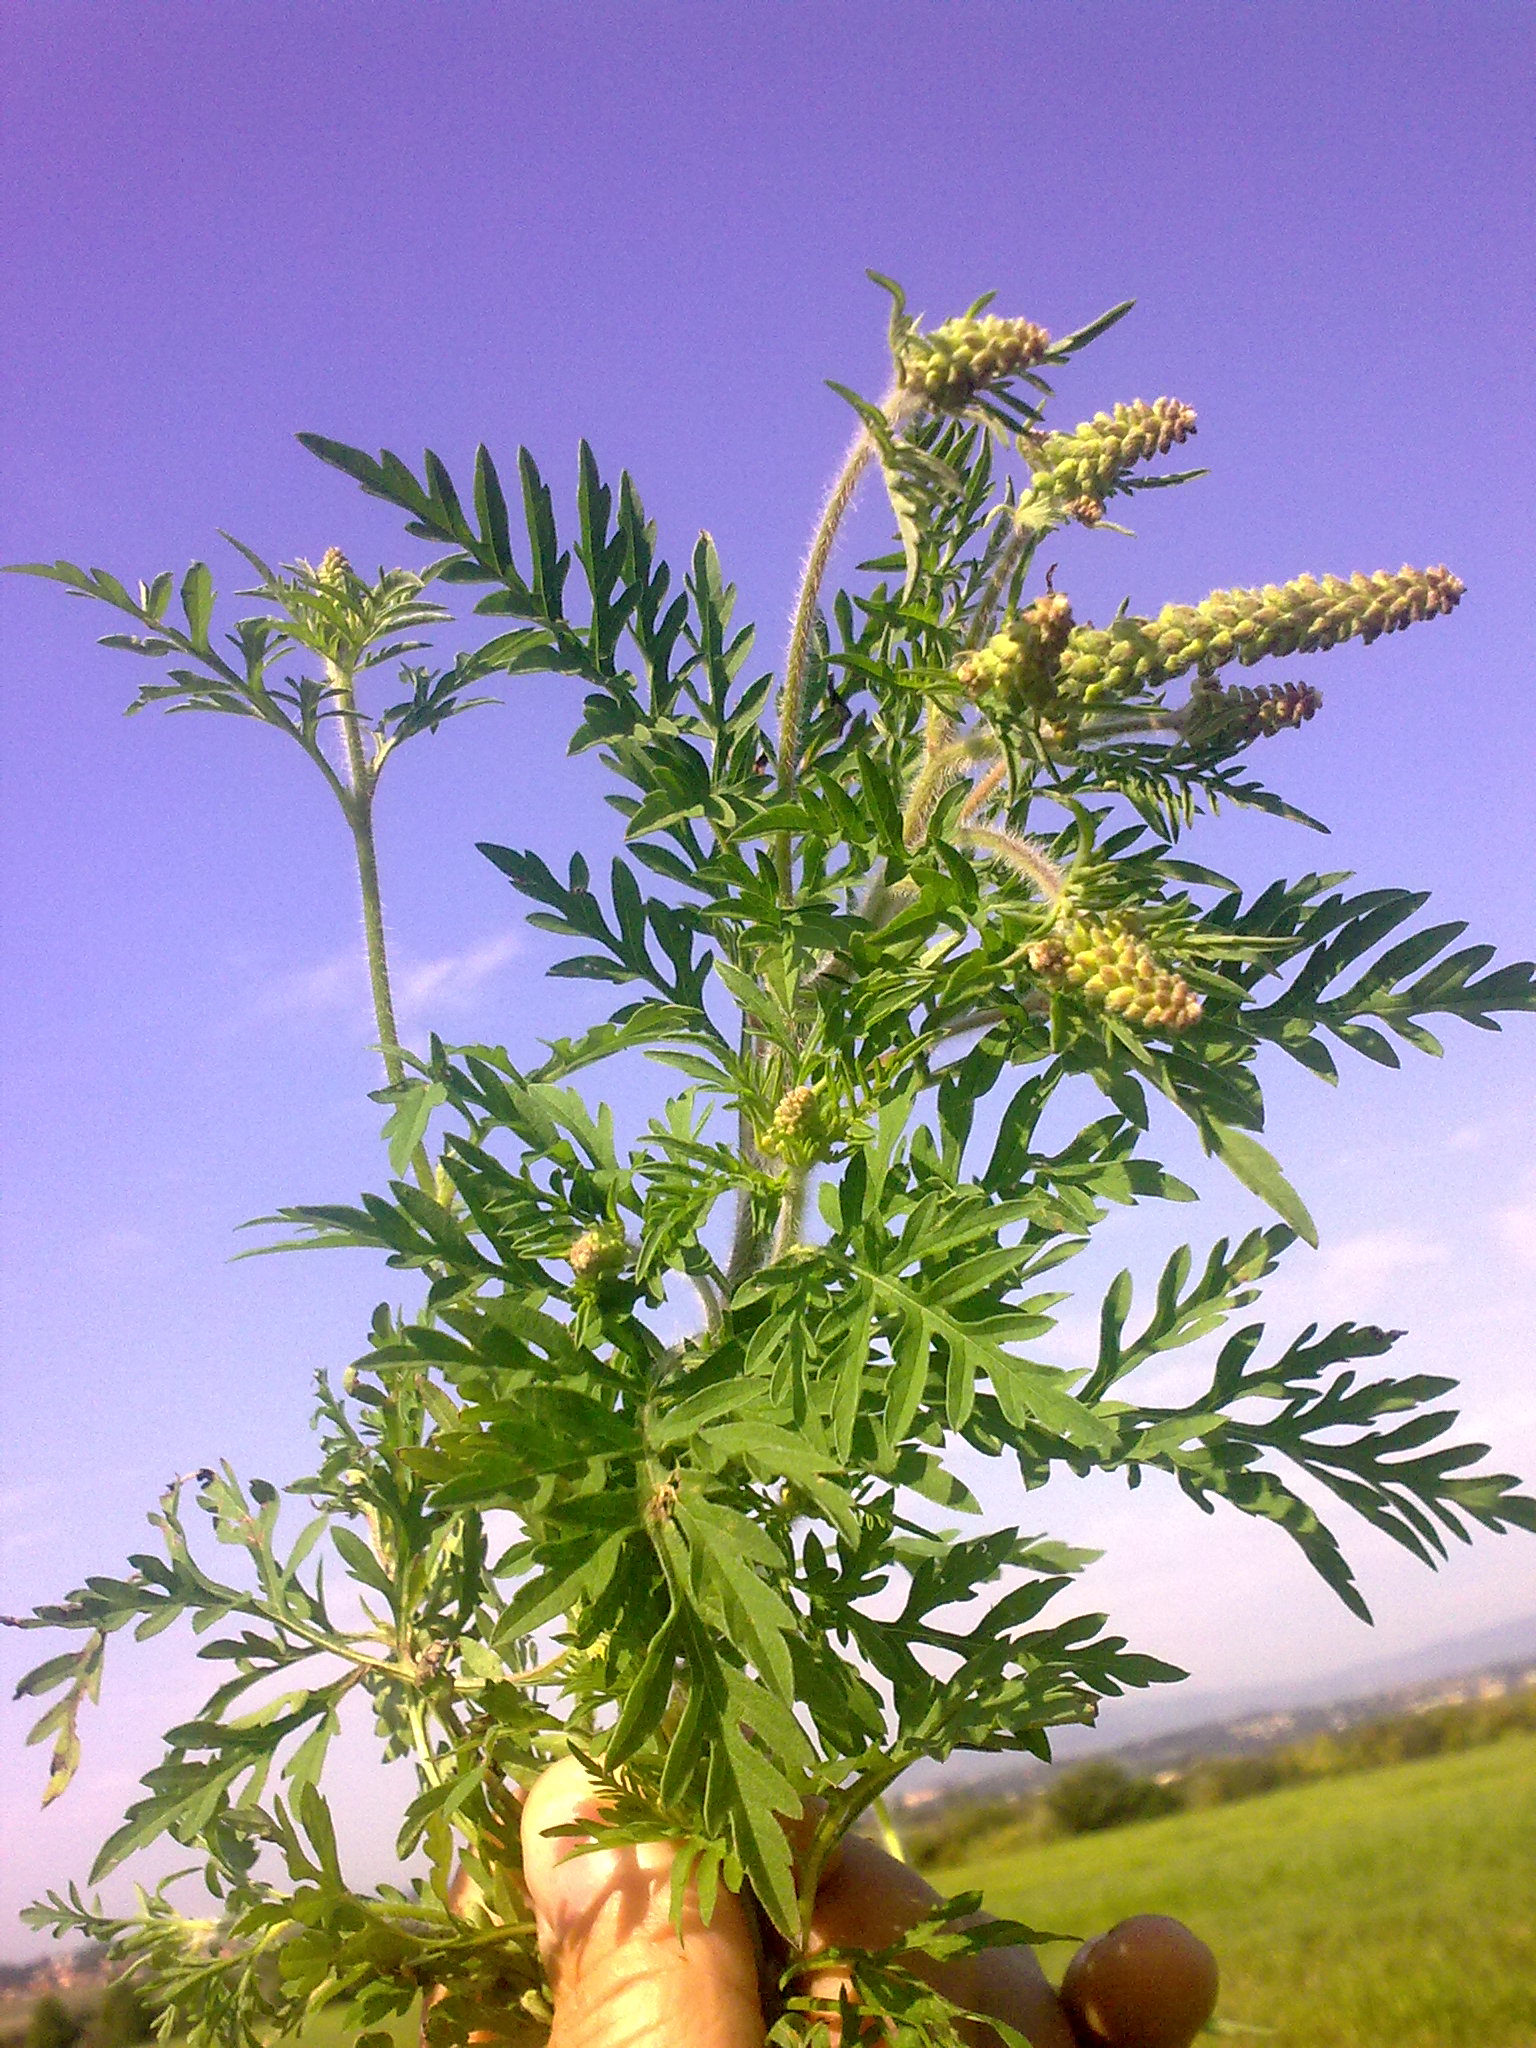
point(1149, 1983)
point(869, 1900)
point(621, 1975)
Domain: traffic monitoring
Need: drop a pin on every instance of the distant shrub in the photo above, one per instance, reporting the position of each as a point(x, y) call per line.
point(51, 2025)
point(124, 2017)
point(1219, 1779)
point(1103, 1794)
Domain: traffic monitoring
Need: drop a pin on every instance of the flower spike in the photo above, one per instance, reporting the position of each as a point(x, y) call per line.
point(1109, 964)
point(946, 369)
point(1087, 464)
point(1217, 718)
point(1301, 617)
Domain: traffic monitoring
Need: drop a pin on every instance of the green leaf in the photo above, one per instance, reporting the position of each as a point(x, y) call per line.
point(406, 1126)
point(1258, 1170)
point(197, 603)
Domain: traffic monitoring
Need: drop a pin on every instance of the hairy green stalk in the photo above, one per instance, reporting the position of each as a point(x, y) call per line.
point(803, 621)
point(897, 405)
point(358, 806)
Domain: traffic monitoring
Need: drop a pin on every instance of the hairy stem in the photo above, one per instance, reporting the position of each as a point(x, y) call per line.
point(1015, 556)
point(943, 767)
point(792, 695)
point(786, 1232)
point(357, 803)
point(803, 619)
point(981, 796)
point(709, 1301)
point(842, 1810)
point(359, 809)
point(1029, 861)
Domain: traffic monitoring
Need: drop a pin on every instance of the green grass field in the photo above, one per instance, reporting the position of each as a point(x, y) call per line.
point(1396, 1909)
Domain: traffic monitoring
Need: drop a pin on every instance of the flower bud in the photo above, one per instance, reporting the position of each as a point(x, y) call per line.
point(1089, 462)
point(1107, 963)
point(334, 570)
point(799, 1133)
point(1016, 671)
point(948, 367)
point(598, 1255)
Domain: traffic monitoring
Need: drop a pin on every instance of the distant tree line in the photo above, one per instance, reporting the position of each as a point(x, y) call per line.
point(1103, 1794)
point(118, 2018)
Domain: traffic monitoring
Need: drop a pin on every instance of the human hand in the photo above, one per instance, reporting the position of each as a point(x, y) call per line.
point(620, 1977)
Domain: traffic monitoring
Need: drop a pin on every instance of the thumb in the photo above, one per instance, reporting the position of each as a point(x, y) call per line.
point(621, 1974)
point(1148, 1983)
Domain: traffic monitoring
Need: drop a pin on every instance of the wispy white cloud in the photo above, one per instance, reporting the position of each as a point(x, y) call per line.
point(333, 986)
point(450, 981)
point(1377, 1255)
point(1394, 1275)
point(425, 990)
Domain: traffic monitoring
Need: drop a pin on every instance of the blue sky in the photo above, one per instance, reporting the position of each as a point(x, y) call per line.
point(649, 224)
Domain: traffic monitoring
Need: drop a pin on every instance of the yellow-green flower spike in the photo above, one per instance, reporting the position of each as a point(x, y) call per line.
point(946, 369)
point(1216, 717)
point(1016, 670)
point(1109, 965)
point(334, 569)
point(799, 1133)
point(598, 1255)
point(1090, 461)
point(1301, 617)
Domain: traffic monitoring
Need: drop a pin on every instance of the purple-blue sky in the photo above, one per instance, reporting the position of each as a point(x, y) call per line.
point(400, 224)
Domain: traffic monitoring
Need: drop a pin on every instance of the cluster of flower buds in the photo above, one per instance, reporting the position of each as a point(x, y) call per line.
point(1301, 617)
point(799, 1133)
point(1086, 464)
point(946, 368)
point(1016, 670)
point(1105, 961)
point(599, 1254)
point(335, 571)
point(1217, 718)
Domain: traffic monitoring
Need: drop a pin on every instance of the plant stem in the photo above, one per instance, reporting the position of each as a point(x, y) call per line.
point(1021, 854)
point(359, 809)
point(980, 797)
point(803, 621)
point(786, 1233)
point(1013, 557)
point(792, 696)
point(842, 1809)
point(357, 803)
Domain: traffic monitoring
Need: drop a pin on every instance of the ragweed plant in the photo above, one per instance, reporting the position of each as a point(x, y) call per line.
point(881, 912)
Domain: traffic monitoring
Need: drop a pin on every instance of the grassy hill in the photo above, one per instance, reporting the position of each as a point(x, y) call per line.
point(1392, 1910)
point(1396, 1909)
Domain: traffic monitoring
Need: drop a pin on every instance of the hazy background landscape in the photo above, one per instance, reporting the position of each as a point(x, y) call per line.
point(649, 225)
